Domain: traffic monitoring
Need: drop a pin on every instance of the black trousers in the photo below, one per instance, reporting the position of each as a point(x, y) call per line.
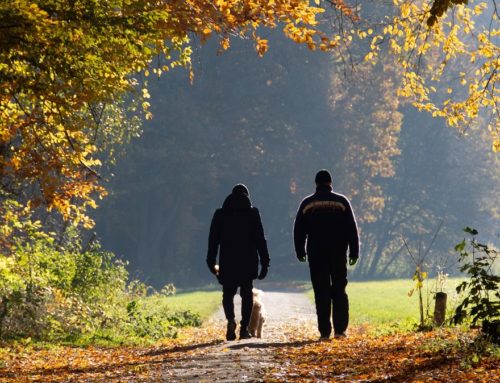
point(228, 293)
point(329, 280)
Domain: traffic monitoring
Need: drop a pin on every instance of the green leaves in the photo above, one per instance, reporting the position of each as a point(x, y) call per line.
point(471, 231)
point(460, 246)
point(482, 300)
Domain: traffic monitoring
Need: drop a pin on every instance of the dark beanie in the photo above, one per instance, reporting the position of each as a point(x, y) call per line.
point(240, 189)
point(323, 177)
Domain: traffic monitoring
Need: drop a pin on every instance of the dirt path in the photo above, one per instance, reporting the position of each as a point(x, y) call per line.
point(287, 313)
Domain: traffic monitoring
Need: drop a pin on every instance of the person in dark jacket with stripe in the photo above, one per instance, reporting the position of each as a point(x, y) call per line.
point(325, 221)
point(236, 233)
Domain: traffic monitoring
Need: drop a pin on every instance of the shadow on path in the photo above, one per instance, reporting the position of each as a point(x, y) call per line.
point(192, 347)
point(162, 355)
point(264, 345)
point(241, 361)
point(289, 314)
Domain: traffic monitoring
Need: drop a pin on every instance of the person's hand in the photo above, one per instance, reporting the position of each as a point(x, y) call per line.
point(214, 269)
point(352, 261)
point(263, 273)
point(301, 258)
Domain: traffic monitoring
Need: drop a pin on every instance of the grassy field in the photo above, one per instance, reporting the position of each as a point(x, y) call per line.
point(372, 302)
point(385, 302)
point(204, 303)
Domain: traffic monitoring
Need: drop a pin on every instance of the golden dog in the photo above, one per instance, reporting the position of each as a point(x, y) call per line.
point(257, 318)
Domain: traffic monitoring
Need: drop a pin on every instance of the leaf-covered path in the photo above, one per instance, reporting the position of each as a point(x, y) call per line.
point(200, 355)
point(289, 352)
point(288, 315)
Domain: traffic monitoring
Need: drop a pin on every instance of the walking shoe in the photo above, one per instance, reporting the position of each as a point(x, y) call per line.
point(231, 330)
point(340, 335)
point(324, 337)
point(245, 334)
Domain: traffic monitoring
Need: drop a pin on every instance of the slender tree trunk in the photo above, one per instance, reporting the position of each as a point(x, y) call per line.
point(393, 258)
point(386, 224)
point(421, 304)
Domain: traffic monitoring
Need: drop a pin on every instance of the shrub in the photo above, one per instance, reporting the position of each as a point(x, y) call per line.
point(481, 303)
point(59, 290)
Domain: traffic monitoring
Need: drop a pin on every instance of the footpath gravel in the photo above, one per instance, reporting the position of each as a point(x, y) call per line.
point(288, 314)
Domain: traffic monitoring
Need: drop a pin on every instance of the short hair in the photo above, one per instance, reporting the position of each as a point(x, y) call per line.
point(323, 177)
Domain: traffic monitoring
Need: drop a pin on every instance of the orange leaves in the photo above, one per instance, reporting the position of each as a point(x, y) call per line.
point(61, 364)
point(408, 357)
point(437, 356)
point(56, 72)
point(99, 364)
point(261, 46)
point(61, 105)
point(433, 46)
point(243, 18)
point(346, 10)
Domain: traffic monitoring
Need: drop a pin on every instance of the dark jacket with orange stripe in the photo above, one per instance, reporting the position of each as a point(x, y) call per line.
point(326, 220)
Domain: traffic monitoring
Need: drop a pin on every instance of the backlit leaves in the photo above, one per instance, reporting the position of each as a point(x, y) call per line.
point(447, 50)
point(460, 50)
point(68, 67)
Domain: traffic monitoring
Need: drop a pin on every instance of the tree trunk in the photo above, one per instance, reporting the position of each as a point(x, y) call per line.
point(440, 308)
point(421, 306)
point(3, 313)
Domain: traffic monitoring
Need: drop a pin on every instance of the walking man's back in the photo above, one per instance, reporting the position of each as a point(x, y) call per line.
point(326, 221)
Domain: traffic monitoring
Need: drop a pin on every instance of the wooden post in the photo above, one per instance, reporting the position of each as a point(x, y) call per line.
point(440, 308)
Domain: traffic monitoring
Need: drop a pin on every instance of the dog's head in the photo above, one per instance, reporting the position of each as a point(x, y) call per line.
point(257, 294)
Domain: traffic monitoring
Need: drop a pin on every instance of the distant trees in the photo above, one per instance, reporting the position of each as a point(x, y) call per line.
point(438, 177)
point(398, 190)
point(272, 123)
point(198, 147)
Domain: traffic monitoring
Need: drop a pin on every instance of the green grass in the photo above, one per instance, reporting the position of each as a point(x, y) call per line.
point(203, 303)
point(373, 302)
point(387, 302)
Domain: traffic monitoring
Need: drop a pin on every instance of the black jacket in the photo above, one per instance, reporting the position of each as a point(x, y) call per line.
point(237, 229)
point(326, 220)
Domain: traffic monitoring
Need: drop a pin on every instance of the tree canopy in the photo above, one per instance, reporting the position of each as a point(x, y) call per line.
point(67, 67)
point(71, 92)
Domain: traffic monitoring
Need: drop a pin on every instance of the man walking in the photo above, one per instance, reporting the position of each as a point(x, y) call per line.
point(326, 220)
point(237, 229)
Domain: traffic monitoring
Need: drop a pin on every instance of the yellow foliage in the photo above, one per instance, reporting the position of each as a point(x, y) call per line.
point(432, 54)
point(65, 69)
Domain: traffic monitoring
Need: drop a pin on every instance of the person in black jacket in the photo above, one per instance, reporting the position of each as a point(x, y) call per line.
point(237, 230)
point(326, 220)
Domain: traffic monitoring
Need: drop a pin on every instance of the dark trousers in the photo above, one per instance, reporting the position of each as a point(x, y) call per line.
point(228, 293)
point(329, 280)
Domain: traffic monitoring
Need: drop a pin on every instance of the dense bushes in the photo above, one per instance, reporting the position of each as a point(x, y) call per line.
point(64, 291)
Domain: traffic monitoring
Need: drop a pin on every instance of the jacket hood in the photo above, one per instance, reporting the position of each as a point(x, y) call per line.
point(237, 202)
